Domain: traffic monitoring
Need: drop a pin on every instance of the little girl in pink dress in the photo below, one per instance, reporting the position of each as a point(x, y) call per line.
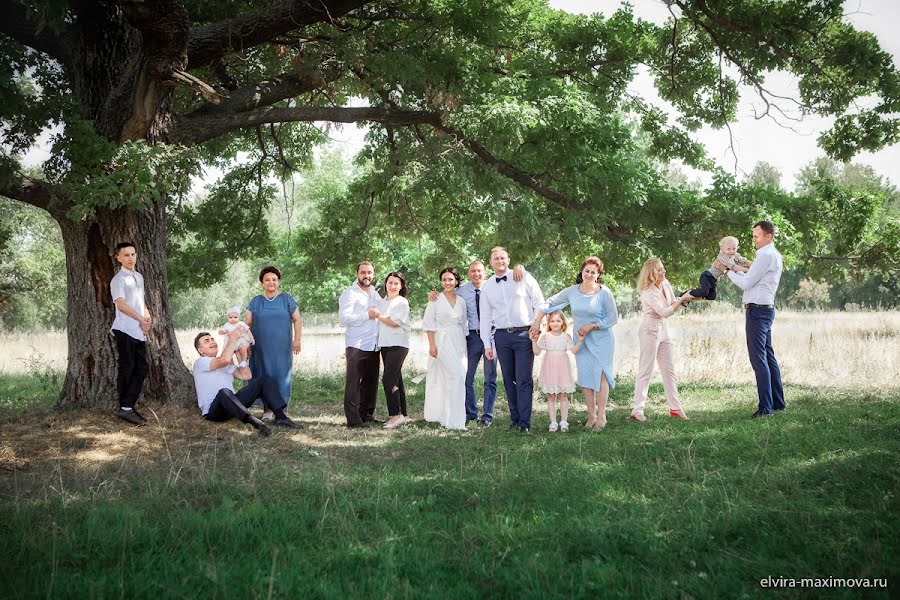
point(556, 370)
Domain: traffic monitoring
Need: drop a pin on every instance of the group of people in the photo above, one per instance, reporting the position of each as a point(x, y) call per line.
point(496, 321)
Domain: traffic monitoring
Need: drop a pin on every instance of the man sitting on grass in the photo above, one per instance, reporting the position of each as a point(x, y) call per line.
point(214, 379)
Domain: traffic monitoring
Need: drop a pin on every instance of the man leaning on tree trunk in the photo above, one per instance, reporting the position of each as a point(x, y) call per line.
point(130, 328)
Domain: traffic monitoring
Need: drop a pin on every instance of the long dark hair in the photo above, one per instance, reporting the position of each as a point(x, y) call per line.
point(591, 260)
point(452, 271)
point(403, 290)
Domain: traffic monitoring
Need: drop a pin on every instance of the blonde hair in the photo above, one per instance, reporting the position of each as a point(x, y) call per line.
point(729, 239)
point(561, 316)
point(648, 274)
point(498, 249)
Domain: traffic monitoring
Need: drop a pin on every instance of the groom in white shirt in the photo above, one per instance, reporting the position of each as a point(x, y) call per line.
point(760, 283)
point(509, 307)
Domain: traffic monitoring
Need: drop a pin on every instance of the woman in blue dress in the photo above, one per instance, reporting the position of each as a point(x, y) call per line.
point(274, 319)
point(594, 310)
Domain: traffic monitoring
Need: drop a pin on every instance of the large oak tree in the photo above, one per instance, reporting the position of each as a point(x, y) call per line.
point(489, 118)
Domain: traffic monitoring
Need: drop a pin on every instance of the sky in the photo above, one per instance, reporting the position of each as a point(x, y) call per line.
point(754, 140)
point(765, 140)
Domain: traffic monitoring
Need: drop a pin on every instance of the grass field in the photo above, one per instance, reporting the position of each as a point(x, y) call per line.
point(664, 509)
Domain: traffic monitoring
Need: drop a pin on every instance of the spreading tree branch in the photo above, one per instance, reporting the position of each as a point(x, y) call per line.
point(506, 169)
point(211, 122)
point(17, 25)
point(264, 93)
point(210, 42)
point(28, 190)
point(205, 125)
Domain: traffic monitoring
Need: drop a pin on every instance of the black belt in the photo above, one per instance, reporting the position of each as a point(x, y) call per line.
point(475, 332)
point(751, 305)
point(514, 329)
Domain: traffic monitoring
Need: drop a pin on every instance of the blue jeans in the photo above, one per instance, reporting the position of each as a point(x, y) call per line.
point(475, 349)
point(762, 357)
point(516, 359)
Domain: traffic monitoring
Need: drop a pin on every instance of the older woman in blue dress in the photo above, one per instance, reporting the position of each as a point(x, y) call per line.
point(594, 310)
point(274, 319)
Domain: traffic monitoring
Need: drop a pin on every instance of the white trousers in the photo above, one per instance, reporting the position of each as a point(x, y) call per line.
point(655, 348)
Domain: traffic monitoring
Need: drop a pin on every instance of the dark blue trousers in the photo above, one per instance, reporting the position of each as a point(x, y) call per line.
point(233, 405)
point(516, 359)
point(762, 357)
point(707, 287)
point(476, 355)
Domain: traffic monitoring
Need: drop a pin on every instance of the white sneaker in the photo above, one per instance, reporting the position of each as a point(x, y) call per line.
point(564, 426)
point(553, 427)
point(268, 416)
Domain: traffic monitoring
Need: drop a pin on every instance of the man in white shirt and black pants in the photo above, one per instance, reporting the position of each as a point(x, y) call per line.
point(214, 380)
point(130, 328)
point(760, 282)
point(358, 313)
point(509, 307)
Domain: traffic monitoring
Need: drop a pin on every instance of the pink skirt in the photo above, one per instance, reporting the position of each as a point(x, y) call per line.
point(556, 373)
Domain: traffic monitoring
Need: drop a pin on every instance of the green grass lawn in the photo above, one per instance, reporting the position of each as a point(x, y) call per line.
point(662, 509)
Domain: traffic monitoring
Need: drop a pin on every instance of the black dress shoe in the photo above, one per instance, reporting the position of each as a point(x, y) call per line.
point(128, 415)
point(356, 425)
point(139, 416)
point(259, 426)
point(758, 414)
point(484, 423)
point(513, 427)
point(287, 423)
point(524, 430)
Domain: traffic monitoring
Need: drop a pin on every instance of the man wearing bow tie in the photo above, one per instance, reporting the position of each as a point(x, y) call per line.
point(507, 311)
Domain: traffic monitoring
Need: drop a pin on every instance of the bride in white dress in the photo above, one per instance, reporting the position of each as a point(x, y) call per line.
point(445, 323)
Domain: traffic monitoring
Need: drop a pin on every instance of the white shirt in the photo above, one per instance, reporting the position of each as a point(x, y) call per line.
point(398, 311)
point(760, 282)
point(129, 285)
point(353, 311)
point(508, 304)
point(208, 383)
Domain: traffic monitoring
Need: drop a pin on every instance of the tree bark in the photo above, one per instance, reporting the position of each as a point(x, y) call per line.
point(121, 61)
point(90, 265)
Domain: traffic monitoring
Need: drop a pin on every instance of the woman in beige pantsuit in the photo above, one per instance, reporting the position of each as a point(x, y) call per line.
point(658, 302)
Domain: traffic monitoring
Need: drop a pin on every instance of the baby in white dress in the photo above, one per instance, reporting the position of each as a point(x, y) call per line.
point(242, 347)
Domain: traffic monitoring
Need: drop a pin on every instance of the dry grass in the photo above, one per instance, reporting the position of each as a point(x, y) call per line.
point(90, 450)
point(852, 350)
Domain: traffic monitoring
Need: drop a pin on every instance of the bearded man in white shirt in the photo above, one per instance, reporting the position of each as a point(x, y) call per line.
point(760, 282)
point(358, 313)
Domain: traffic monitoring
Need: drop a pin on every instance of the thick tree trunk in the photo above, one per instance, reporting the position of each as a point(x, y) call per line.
point(90, 264)
point(121, 55)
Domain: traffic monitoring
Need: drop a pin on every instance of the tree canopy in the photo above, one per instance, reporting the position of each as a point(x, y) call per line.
point(497, 120)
